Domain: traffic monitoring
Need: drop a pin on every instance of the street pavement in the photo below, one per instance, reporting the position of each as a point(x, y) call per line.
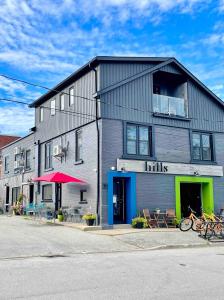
point(42, 261)
point(195, 273)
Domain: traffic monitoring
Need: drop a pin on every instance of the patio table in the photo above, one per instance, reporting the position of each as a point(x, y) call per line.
point(160, 218)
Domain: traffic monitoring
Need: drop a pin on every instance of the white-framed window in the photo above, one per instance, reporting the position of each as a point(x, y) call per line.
point(53, 108)
point(71, 96)
point(41, 114)
point(62, 102)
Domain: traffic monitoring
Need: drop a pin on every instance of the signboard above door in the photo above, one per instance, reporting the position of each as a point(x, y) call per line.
point(168, 168)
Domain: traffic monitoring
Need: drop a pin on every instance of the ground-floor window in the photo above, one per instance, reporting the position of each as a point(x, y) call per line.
point(47, 193)
point(15, 194)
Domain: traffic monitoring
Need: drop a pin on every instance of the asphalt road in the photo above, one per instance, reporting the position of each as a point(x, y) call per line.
point(161, 274)
point(54, 262)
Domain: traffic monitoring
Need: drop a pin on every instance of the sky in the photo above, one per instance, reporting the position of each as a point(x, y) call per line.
point(44, 41)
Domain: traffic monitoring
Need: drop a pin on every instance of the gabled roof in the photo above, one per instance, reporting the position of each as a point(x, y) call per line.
point(88, 67)
point(161, 61)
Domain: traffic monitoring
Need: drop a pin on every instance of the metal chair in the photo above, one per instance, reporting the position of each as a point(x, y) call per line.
point(152, 222)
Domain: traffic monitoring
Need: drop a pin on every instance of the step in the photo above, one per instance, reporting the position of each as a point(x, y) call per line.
point(122, 226)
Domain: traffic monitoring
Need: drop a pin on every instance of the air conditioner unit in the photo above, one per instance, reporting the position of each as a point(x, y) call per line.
point(16, 164)
point(58, 151)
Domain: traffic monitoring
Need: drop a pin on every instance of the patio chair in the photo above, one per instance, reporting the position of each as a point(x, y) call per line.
point(170, 217)
point(152, 222)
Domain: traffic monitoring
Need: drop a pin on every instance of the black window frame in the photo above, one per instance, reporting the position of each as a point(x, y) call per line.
point(78, 155)
point(212, 147)
point(28, 167)
point(6, 163)
point(150, 140)
point(48, 160)
point(83, 199)
point(50, 199)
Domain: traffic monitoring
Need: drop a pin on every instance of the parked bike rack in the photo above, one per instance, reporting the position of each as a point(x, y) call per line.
point(210, 231)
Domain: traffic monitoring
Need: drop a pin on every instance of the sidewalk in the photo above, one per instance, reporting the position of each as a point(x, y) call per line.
point(144, 239)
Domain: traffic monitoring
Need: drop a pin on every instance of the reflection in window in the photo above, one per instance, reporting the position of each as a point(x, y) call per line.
point(138, 140)
point(202, 146)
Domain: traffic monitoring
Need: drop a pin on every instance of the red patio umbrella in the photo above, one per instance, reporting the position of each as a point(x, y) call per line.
point(58, 178)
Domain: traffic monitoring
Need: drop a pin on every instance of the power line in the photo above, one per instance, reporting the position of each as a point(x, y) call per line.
point(46, 107)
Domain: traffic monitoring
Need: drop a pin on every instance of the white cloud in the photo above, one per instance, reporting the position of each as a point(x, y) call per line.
point(16, 119)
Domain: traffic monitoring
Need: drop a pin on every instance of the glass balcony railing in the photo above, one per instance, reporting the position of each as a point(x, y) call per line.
point(169, 105)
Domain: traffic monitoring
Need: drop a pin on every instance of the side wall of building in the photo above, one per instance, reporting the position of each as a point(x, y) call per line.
point(20, 177)
point(85, 171)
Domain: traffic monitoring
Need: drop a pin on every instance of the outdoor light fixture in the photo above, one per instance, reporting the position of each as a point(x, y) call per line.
point(123, 169)
point(113, 168)
point(196, 173)
point(6, 184)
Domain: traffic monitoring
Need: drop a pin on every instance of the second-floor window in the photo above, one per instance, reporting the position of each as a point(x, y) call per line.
point(6, 164)
point(138, 140)
point(48, 156)
point(71, 96)
point(62, 102)
point(79, 145)
point(28, 160)
point(53, 109)
point(202, 147)
point(41, 112)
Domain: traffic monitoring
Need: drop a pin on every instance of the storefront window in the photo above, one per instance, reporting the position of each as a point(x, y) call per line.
point(138, 140)
point(202, 147)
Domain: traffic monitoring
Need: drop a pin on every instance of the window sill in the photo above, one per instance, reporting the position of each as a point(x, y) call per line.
point(78, 162)
point(83, 202)
point(138, 157)
point(173, 117)
point(203, 162)
point(47, 170)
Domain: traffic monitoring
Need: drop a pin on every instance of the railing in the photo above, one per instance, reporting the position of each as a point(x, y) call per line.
point(169, 105)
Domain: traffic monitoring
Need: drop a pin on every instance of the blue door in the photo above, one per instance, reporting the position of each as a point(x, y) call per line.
point(121, 197)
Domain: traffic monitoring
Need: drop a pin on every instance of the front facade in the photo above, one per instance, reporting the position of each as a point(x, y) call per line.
point(142, 132)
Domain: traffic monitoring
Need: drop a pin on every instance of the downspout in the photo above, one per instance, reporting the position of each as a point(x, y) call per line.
point(98, 149)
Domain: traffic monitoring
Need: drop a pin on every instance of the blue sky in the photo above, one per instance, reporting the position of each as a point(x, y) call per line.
point(43, 41)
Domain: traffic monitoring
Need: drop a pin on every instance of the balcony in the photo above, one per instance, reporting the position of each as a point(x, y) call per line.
point(171, 106)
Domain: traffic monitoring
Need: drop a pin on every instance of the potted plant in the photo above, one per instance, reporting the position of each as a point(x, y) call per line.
point(89, 218)
point(60, 215)
point(139, 222)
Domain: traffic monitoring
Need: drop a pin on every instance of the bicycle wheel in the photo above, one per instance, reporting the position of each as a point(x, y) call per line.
point(218, 230)
point(185, 224)
point(207, 230)
point(197, 225)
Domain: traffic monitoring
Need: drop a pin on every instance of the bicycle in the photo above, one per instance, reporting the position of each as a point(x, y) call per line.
point(191, 222)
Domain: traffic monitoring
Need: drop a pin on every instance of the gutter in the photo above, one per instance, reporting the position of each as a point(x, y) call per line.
point(98, 148)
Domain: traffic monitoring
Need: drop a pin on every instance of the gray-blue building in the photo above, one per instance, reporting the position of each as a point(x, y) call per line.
point(142, 132)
